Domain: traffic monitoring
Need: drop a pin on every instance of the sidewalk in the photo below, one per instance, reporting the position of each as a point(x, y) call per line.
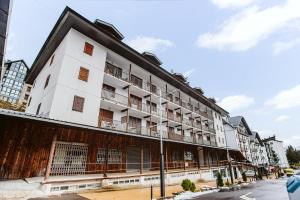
point(138, 194)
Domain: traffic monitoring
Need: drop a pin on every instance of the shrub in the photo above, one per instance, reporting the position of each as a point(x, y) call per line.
point(227, 183)
point(186, 184)
point(220, 182)
point(193, 187)
point(244, 177)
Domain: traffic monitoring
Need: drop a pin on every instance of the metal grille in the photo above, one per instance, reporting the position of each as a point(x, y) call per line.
point(69, 158)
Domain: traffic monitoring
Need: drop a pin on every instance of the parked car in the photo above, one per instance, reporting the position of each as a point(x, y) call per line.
point(289, 172)
point(250, 173)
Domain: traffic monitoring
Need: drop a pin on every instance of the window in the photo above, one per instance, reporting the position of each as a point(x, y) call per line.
point(78, 104)
point(47, 81)
point(28, 89)
point(136, 102)
point(114, 156)
point(136, 81)
point(26, 96)
point(113, 70)
point(38, 109)
point(153, 106)
point(153, 89)
point(109, 88)
point(51, 60)
point(88, 48)
point(188, 155)
point(83, 74)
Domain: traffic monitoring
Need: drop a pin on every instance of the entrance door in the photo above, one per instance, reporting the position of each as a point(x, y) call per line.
point(146, 159)
point(105, 118)
point(133, 159)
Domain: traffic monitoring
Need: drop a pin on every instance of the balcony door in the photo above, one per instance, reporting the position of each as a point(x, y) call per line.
point(134, 124)
point(136, 102)
point(136, 81)
point(105, 118)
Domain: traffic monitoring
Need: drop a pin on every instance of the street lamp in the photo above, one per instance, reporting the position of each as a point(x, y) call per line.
point(162, 165)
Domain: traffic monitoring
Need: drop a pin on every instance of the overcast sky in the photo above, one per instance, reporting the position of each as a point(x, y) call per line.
point(244, 53)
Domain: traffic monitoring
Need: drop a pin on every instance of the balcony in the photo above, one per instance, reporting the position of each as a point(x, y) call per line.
point(174, 136)
point(113, 125)
point(117, 72)
point(141, 107)
point(114, 97)
point(206, 142)
point(189, 139)
point(187, 121)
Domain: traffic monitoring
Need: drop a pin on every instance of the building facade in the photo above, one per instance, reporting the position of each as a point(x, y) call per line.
point(258, 151)
point(13, 82)
point(5, 10)
point(239, 128)
point(276, 152)
point(25, 93)
point(99, 108)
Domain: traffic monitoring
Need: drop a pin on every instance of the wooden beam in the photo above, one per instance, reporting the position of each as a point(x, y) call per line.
point(124, 88)
point(124, 110)
point(51, 155)
point(142, 160)
point(183, 157)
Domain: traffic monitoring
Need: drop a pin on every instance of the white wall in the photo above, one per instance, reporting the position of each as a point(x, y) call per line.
point(220, 129)
point(57, 98)
point(281, 153)
point(45, 96)
point(231, 137)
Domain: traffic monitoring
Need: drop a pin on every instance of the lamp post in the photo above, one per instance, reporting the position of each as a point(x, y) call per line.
point(162, 166)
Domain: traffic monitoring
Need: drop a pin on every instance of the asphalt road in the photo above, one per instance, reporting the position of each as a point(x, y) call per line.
point(274, 189)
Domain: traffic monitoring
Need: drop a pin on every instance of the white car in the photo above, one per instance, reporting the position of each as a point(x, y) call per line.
point(250, 173)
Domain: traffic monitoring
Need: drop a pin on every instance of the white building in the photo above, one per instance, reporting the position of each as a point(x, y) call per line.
point(238, 135)
point(258, 151)
point(275, 148)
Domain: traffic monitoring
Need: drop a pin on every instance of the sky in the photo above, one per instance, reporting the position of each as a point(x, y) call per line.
point(244, 53)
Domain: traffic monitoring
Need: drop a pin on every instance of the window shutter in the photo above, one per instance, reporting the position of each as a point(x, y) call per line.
point(83, 74)
point(88, 48)
point(78, 104)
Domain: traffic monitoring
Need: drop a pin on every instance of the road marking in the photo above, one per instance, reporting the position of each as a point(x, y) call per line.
point(247, 198)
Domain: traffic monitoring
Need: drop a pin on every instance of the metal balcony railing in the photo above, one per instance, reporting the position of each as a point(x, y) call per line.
point(116, 72)
point(114, 97)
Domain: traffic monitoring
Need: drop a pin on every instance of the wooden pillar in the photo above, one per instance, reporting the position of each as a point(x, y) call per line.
point(127, 119)
point(51, 155)
point(198, 158)
point(106, 156)
point(183, 157)
point(142, 160)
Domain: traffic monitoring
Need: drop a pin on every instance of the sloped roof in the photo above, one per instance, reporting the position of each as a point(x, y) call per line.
point(235, 122)
point(152, 58)
point(256, 135)
point(109, 28)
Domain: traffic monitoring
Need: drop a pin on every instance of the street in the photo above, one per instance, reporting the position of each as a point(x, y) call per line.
point(274, 189)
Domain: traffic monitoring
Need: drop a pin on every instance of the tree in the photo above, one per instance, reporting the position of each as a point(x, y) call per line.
point(292, 155)
point(220, 182)
point(12, 106)
point(275, 157)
